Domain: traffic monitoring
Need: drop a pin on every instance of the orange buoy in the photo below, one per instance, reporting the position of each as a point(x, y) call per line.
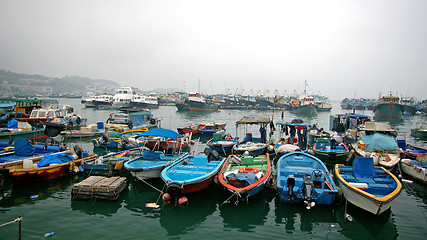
point(248, 169)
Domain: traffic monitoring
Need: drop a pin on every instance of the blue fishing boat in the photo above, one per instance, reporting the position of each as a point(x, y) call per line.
point(222, 145)
point(370, 188)
point(303, 178)
point(191, 173)
point(324, 152)
point(151, 164)
point(245, 176)
point(111, 163)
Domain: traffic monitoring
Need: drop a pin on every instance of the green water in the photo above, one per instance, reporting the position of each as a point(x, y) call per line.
point(206, 216)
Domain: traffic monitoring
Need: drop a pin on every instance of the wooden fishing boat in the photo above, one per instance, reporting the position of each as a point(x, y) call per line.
point(303, 178)
point(370, 188)
point(191, 174)
point(211, 128)
point(252, 145)
point(11, 134)
point(245, 176)
point(111, 163)
point(222, 145)
point(35, 170)
point(323, 151)
point(419, 132)
point(23, 149)
point(253, 149)
point(378, 140)
point(151, 164)
point(190, 129)
point(416, 169)
point(161, 140)
point(410, 150)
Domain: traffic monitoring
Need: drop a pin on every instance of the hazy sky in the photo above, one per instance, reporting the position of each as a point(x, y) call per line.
point(342, 48)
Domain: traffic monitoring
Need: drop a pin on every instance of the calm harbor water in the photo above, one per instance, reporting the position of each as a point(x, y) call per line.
point(206, 216)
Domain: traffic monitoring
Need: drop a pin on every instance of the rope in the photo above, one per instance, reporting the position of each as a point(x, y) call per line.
point(151, 186)
point(19, 219)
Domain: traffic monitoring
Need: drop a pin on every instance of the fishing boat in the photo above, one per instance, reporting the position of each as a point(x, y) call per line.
point(191, 174)
point(409, 106)
point(303, 178)
point(111, 163)
point(151, 164)
point(126, 121)
point(42, 168)
point(9, 134)
point(245, 176)
point(222, 145)
point(162, 140)
point(323, 151)
point(23, 149)
point(370, 188)
point(377, 140)
point(251, 145)
point(420, 132)
point(416, 169)
point(389, 107)
point(190, 129)
point(197, 103)
point(211, 128)
point(294, 132)
point(411, 151)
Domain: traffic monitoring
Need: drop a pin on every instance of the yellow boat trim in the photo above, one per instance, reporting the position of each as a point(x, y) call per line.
point(379, 199)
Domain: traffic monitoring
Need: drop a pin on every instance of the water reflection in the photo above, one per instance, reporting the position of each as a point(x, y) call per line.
point(15, 195)
point(298, 217)
point(245, 216)
point(180, 219)
point(366, 226)
point(95, 207)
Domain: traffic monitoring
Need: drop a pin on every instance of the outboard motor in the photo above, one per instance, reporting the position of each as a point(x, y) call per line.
point(291, 184)
point(307, 189)
point(78, 150)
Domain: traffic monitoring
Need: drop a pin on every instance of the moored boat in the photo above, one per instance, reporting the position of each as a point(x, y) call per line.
point(197, 103)
point(324, 152)
point(151, 164)
point(416, 169)
point(191, 174)
point(420, 132)
point(370, 188)
point(110, 164)
point(389, 107)
point(42, 168)
point(222, 145)
point(245, 176)
point(251, 145)
point(303, 178)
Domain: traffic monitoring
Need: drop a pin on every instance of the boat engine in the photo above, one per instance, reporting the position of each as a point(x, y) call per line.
point(291, 184)
point(307, 190)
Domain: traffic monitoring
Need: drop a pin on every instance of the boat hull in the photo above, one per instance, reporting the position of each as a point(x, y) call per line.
point(10, 136)
point(373, 203)
point(420, 133)
point(416, 172)
point(241, 188)
point(195, 106)
point(309, 109)
point(388, 111)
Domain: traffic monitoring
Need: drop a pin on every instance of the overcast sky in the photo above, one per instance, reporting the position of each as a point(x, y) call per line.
point(342, 48)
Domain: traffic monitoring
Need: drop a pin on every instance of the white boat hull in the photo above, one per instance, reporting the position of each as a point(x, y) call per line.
point(147, 174)
point(363, 201)
point(416, 172)
point(379, 161)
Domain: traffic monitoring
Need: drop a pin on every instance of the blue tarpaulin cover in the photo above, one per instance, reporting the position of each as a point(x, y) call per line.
point(13, 123)
point(160, 132)
point(378, 141)
point(54, 159)
point(150, 155)
point(249, 177)
point(23, 147)
point(363, 167)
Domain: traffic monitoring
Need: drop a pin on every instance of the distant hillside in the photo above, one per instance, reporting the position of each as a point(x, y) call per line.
point(18, 83)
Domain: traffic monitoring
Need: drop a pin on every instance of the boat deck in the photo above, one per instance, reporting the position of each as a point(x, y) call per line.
point(381, 184)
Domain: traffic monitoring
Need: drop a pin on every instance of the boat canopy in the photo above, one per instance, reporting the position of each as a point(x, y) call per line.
point(161, 132)
point(253, 119)
point(293, 124)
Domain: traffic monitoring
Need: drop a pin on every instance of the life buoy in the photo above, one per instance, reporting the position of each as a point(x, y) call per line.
point(248, 170)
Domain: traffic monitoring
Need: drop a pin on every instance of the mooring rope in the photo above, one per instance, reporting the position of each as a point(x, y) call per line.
point(19, 219)
point(152, 185)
